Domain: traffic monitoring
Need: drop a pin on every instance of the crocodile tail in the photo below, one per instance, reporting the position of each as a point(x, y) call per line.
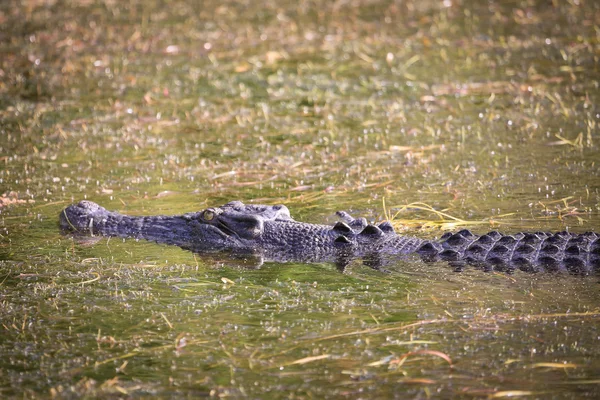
point(531, 252)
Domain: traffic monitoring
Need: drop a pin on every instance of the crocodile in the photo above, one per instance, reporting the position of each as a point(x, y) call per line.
point(269, 232)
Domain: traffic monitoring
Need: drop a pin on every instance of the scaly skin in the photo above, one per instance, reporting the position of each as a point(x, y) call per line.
point(184, 230)
point(270, 232)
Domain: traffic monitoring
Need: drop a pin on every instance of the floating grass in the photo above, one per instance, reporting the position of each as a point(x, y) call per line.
point(444, 221)
point(562, 209)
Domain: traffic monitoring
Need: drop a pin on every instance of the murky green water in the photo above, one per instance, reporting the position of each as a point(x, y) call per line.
point(486, 110)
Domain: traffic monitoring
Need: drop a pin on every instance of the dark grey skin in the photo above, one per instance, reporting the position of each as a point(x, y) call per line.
point(270, 233)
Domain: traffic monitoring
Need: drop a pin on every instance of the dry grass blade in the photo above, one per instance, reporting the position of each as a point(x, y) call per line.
point(555, 365)
point(121, 357)
point(380, 329)
point(576, 143)
point(307, 360)
point(513, 393)
point(582, 382)
point(425, 207)
point(445, 222)
point(400, 360)
point(166, 320)
point(592, 314)
point(418, 381)
point(89, 280)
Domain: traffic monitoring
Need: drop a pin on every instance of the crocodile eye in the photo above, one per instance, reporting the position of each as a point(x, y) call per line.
point(208, 215)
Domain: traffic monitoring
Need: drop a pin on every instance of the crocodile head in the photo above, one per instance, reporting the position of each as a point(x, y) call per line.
point(243, 221)
point(235, 226)
point(80, 217)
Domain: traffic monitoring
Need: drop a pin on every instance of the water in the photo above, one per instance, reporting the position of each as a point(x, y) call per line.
point(485, 111)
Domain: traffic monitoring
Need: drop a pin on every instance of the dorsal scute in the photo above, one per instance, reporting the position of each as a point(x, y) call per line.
point(524, 249)
point(342, 240)
point(531, 238)
point(446, 235)
point(498, 250)
point(475, 250)
point(429, 251)
point(387, 227)
point(459, 240)
point(573, 250)
point(506, 240)
point(354, 223)
point(575, 265)
point(449, 255)
point(359, 223)
point(465, 233)
point(341, 227)
point(556, 239)
point(486, 239)
point(549, 249)
point(371, 231)
point(494, 235)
